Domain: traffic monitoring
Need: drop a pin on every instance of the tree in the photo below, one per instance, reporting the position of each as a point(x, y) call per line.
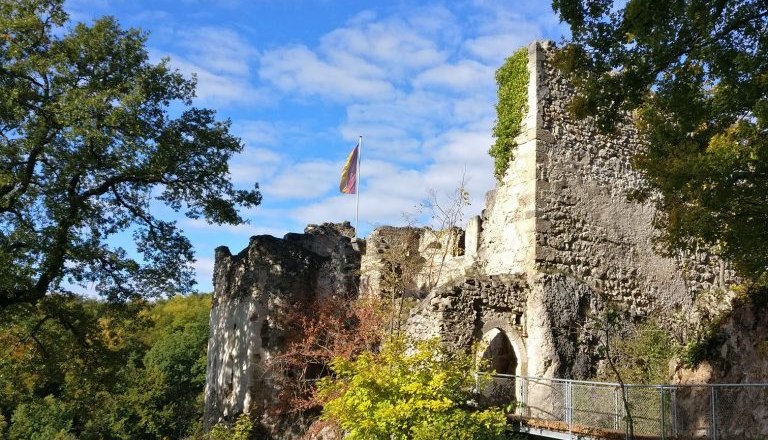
point(408, 390)
point(695, 75)
point(88, 143)
point(133, 370)
point(330, 327)
point(446, 216)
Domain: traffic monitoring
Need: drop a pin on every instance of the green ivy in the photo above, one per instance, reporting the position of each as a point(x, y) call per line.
point(512, 79)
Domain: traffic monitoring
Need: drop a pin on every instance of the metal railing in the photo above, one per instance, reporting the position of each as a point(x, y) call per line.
point(711, 411)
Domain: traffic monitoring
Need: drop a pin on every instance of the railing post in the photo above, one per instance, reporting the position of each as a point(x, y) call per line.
point(616, 416)
point(526, 411)
point(662, 414)
point(713, 403)
point(674, 412)
point(569, 406)
point(625, 397)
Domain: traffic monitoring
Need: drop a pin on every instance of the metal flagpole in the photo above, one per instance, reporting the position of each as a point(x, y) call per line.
point(357, 204)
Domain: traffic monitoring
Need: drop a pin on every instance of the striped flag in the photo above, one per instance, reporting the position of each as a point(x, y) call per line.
point(348, 184)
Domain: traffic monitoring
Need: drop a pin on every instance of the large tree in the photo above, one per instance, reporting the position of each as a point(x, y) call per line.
point(92, 137)
point(694, 73)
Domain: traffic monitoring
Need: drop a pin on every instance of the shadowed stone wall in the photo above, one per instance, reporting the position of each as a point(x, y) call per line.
point(251, 289)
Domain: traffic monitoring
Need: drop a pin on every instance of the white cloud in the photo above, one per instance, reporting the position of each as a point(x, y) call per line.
point(254, 165)
point(298, 70)
point(304, 180)
point(244, 229)
point(257, 133)
point(218, 50)
point(204, 272)
point(221, 61)
point(501, 30)
point(219, 89)
point(365, 59)
point(461, 77)
point(495, 48)
point(392, 43)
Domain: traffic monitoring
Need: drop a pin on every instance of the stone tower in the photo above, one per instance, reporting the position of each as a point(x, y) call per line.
point(558, 239)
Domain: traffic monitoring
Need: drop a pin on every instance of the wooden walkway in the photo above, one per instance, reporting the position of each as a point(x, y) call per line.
point(561, 430)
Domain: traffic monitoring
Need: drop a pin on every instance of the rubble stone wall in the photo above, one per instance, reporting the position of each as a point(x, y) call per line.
point(251, 290)
point(561, 219)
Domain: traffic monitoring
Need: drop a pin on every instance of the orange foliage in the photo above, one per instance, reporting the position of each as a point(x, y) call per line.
point(327, 328)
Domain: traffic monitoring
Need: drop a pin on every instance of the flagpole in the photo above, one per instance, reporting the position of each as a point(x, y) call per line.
point(357, 204)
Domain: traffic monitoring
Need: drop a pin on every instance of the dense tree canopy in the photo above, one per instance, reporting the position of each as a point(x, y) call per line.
point(87, 142)
point(130, 371)
point(695, 74)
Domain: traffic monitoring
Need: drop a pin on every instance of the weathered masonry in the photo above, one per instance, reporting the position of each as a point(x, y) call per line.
point(556, 242)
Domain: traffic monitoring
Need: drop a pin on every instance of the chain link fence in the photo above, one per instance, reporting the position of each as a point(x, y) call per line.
point(715, 411)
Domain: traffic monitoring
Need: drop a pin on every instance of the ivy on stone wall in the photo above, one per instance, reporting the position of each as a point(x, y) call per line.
point(512, 80)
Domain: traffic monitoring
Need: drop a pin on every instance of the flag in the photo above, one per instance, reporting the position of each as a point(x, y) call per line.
point(348, 184)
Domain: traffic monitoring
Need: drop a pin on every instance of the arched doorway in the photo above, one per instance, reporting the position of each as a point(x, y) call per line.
point(499, 356)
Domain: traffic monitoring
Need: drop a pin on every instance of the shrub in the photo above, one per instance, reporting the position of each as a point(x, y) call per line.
point(409, 390)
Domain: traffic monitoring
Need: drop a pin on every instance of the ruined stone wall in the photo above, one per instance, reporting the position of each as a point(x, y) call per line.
point(508, 226)
point(585, 224)
point(252, 292)
point(590, 233)
point(412, 260)
point(557, 240)
point(461, 314)
point(561, 218)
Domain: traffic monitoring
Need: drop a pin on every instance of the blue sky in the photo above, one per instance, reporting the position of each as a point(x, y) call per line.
point(301, 80)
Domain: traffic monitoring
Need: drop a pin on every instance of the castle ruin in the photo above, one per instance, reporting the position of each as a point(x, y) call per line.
point(557, 242)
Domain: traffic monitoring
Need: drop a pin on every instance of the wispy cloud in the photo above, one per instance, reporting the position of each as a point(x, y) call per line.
point(245, 229)
point(221, 61)
point(421, 90)
point(218, 89)
point(219, 50)
point(464, 76)
point(254, 165)
point(343, 76)
point(304, 180)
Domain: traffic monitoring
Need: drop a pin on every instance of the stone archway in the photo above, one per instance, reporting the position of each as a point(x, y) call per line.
point(511, 335)
point(499, 355)
point(504, 353)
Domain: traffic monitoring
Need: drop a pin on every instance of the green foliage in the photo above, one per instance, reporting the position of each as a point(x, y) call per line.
point(178, 313)
point(409, 390)
point(695, 74)
point(102, 370)
point(512, 79)
point(87, 142)
point(644, 355)
point(45, 419)
point(179, 341)
point(181, 357)
point(242, 430)
point(704, 343)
